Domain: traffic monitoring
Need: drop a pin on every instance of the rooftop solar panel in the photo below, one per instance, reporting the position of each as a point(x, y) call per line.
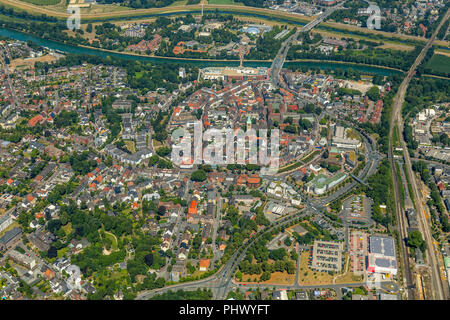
point(388, 244)
point(384, 263)
point(375, 245)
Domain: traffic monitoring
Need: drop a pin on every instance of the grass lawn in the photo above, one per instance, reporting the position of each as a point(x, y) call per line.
point(291, 167)
point(312, 277)
point(62, 252)
point(139, 74)
point(197, 273)
point(43, 2)
point(178, 3)
point(67, 228)
point(282, 278)
point(290, 230)
point(439, 63)
point(275, 278)
point(130, 145)
point(352, 134)
point(156, 144)
point(114, 246)
point(310, 156)
point(103, 8)
point(349, 276)
point(318, 278)
point(220, 1)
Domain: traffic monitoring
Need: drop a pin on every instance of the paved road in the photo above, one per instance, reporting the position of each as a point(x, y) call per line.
point(278, 62)
point(222, 282)
point(385, 285)
point(14, 101)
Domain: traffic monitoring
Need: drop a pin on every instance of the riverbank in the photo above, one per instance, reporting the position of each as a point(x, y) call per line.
point(74, 49)
point(245, 60)
point(264, 13)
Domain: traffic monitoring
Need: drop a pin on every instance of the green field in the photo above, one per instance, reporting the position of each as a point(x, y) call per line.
point(310, 156)
point(43, 2)
point(439, 63)
point(220, 1)
point(114, 245)
point(291, 167)
point(178, 3)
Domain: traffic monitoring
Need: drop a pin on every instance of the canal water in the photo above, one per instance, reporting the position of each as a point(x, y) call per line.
point(203, 63)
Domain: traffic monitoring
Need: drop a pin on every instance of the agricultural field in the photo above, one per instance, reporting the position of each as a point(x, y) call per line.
point(178, 3)
point(220, 1)
point(439, 63)
point(43, 2)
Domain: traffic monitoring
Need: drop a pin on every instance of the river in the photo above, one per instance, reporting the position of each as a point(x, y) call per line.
point(204, 63)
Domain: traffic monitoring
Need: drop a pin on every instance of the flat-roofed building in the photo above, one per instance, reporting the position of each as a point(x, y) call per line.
point(27, 261)
point(230, 73)
point(339, 132)
point(382, 257)
point(386, 296)
point(358, 249)
point(5, 222)
point(10, 238)
point(321, 183)
point(345, 143)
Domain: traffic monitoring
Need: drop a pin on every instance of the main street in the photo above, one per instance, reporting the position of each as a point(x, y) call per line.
point(278, 62)
point(440, 290)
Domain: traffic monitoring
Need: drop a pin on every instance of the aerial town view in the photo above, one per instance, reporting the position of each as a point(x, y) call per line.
point(229, 150)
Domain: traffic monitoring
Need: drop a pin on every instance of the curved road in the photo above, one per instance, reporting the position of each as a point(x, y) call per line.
point(221, 282)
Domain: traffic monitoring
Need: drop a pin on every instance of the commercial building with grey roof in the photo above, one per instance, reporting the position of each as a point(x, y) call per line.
point(9, 238)
point(382, 257)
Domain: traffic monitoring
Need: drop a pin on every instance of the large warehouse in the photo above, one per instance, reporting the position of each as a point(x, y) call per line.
point(382, 256)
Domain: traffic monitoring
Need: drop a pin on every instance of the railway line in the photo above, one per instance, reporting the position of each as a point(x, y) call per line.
point(440, 289)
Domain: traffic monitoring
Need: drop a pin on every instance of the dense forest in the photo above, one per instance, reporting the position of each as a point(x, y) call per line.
point(253, 3)
point(199, 294)
point(374, 56)
point(139, 4)
point(381, 192)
